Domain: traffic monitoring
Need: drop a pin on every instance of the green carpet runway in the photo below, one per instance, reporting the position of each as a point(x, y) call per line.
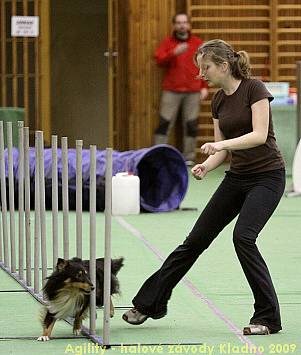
point(207, 310)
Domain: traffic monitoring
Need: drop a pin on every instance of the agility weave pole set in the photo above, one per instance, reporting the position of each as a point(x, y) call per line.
point(8, 260)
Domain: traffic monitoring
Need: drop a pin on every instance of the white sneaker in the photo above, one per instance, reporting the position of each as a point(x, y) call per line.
point(134, 317)
point(256, 329)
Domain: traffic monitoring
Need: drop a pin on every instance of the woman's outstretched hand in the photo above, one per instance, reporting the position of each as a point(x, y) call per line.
point(212, 148)
point(199, 171)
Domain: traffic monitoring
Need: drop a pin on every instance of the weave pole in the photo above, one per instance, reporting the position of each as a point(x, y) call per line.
point(40, 137)
point(40, 246)
point(92, 264)
point(3, 199)
point(21, 199)
point(1, 239)
point(79, 199)
point(27, 206)
point(37, 219)
point(54, 189)
point(65, 196)
point(11, 192)
point(107, 261)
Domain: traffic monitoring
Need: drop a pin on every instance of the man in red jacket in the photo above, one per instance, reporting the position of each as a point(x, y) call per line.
point(181, 89)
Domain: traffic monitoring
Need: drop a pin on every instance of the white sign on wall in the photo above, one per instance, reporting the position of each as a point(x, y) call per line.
point(25, 26)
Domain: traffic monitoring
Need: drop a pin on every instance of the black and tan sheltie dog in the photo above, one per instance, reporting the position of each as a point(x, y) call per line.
point(67, 292)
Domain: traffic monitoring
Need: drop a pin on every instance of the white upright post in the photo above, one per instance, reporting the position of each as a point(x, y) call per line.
point(54, 202)
point(42, 205)
point(21, 199)
point(92, 266)
point(11, 191)
point(79, 199)
point(27, 206)
point(65, 196)
point(3, 198)
point(1, 240)
point(37, 218)
point(107, 262)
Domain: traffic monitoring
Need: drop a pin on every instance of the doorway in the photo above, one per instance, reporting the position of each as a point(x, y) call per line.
point(79, 73)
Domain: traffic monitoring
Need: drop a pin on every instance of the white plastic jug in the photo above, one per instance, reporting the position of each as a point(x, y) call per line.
point(125, 194)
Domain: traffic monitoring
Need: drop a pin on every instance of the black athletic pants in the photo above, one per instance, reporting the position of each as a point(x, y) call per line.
point(254, 198)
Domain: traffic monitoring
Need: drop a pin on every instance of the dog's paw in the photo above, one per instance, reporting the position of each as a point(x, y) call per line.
point(43, 338)
point(112, 313)
point(76, 332)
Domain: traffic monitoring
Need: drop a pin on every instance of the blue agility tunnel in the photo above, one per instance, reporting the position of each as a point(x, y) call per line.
point(161, 169)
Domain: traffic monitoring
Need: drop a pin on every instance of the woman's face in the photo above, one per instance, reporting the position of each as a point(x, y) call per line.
point(210, 72)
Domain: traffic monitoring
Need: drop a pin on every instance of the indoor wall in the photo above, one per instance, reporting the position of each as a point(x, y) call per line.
point(79, 71)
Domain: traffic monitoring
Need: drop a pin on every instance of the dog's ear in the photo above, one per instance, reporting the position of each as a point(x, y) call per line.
point(61, 264)
point(117, 265)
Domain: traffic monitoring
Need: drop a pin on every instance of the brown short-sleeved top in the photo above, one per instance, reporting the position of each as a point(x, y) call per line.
point(235, 119)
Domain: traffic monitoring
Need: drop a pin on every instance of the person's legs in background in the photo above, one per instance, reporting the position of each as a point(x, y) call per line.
point(169, 108)
point(190, 114)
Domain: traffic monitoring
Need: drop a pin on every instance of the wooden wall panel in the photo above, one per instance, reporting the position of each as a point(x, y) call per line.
point(25, 67)
point(288, 39)
point(149, 21)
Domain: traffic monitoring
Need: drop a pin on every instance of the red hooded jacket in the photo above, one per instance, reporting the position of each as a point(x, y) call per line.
point(181, 72)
